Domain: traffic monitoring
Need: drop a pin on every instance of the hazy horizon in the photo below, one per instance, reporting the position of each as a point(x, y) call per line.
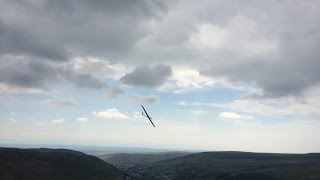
point(94, 148)
point(213, 75)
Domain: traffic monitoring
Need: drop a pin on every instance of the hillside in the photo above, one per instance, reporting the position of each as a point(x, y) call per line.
point(121, 159)
point(53, 164)
point(231, 165)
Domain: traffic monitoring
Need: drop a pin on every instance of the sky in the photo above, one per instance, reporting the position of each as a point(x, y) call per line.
point(213, 74)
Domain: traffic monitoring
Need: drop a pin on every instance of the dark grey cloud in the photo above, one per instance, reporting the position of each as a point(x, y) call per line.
point(145, 8)
point(56, 29)
point(85, 80)
point(288, 71)
point(274, 79)
point(64, 102)
point(25, 73)
point(148, 76)
point(144, 98)
point(116, 91)
point(45, 35)
point(152, 31)
point(15, 41)
point(33, 73)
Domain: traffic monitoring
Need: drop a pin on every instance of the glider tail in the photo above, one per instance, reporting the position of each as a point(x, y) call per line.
point(145, 115)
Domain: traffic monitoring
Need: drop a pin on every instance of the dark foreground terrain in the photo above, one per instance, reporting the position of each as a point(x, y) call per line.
point(53, 164)
point(221, 165)
point(68, 164)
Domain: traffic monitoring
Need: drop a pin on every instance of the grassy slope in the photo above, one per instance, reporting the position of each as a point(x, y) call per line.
point(241, 165)
point(53, 164)
point(220, 165)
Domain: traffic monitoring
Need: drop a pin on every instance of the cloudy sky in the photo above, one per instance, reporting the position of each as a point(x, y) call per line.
point(214, 75)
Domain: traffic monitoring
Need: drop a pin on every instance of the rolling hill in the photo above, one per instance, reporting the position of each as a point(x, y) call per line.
point(241, 165)
point(230, 165)
point(53, 164)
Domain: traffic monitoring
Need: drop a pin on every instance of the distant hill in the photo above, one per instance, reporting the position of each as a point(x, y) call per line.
point(231, 166)
point(139, 158)
point(53, 164)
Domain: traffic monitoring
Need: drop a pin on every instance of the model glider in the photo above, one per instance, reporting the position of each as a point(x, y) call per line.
point(147, 115)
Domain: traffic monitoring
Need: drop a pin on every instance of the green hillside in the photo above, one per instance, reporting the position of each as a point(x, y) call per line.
point(230, 165)
point(53, 164)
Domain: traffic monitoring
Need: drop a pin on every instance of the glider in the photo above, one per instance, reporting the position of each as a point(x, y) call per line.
point(147, 115)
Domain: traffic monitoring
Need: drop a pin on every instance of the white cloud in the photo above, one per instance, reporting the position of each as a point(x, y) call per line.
point(185, 103)
point(12, 120)
point(232, 115)
point(59, 102)
point(98, 67)
point(303, 106)
point(136, 115)
point(185, 79)
point(240, 35)
point(61, 120)
point(12, 113)
point(229, 115)
point(82, 119)
point(199, 112)
point(111, 113)
point(244, 105)
point(188, 77)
